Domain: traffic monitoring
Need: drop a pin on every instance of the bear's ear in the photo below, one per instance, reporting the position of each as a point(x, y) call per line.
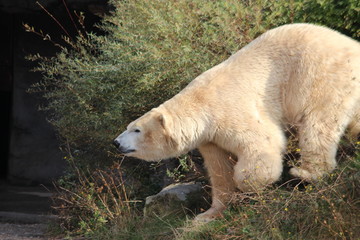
point(166, 123)
point(162, 120)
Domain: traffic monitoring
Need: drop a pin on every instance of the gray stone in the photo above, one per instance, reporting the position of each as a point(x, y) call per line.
point(175, 199)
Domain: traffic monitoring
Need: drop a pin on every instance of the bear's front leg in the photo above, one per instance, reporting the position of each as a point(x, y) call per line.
point(256, 171)
point(220, 168)
point(260, 160)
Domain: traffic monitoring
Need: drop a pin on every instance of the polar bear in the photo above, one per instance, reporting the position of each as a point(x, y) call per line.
point(235, 113)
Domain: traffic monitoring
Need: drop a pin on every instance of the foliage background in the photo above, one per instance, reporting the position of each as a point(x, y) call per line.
point(149, 51)
point(146, 53)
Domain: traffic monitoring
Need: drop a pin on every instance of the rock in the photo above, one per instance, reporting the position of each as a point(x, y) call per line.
point(176, 199)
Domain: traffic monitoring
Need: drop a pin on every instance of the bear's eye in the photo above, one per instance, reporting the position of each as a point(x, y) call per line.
point(137, 130)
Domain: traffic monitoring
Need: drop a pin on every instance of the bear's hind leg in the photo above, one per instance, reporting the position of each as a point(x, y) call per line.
point(220, 169)
point(318, 140)
point(354, 126)
point(354, 129)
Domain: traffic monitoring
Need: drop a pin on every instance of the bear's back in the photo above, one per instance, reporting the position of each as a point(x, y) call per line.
point(304, 34)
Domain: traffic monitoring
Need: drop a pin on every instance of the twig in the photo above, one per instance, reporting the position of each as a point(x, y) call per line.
point(57, 22)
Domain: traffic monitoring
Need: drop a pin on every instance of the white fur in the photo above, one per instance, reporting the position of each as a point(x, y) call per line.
point(236, 112)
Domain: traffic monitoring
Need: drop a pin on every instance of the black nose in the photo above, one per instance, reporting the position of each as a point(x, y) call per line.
point(116, 143)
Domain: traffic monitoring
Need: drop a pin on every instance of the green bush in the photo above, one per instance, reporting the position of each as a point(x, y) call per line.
point(151, 49)
point(343, 15)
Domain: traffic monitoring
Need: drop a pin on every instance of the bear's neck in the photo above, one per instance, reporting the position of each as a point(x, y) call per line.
point(191, 110)
point(191, 123)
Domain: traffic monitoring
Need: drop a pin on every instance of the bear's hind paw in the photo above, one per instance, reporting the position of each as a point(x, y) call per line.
point(208, 216)
point(303, 174)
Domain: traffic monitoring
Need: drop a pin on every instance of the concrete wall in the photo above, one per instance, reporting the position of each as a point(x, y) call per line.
point(34, 155)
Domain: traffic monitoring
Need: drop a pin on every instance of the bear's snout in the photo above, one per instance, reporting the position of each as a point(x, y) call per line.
point(121, 148)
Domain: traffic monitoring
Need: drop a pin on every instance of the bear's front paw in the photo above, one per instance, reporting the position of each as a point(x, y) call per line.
point(208, 216)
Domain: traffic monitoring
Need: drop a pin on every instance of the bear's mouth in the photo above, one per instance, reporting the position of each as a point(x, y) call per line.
point(126, 151)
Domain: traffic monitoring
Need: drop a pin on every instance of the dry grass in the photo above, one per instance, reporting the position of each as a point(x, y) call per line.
point(93, 200)
point(98, 205)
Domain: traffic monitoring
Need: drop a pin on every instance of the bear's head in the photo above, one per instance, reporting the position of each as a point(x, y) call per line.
point(148, 138)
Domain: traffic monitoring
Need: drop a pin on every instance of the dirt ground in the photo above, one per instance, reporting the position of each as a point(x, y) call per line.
point(13, 231)
point(25, 212)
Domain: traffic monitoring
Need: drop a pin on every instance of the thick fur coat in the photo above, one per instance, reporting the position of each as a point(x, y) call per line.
point(299, 74)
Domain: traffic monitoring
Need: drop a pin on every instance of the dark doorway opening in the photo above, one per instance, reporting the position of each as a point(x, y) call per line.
point(6, 82)
point(5, 108)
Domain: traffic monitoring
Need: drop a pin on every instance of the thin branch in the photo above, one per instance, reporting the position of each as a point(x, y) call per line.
point(72, 19)
point(57, 22)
